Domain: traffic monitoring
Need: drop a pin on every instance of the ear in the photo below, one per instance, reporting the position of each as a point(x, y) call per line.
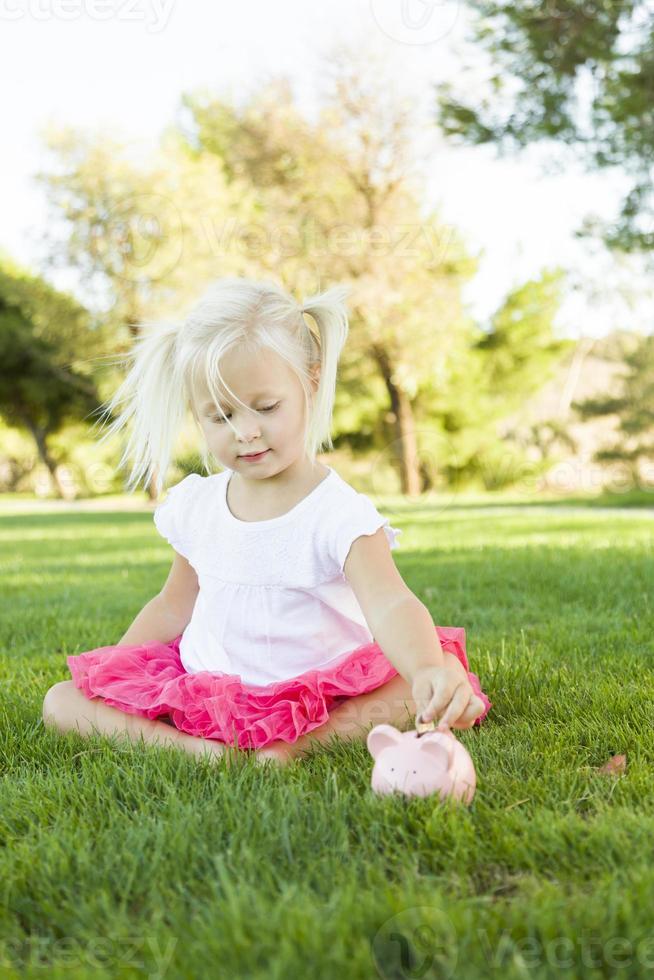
point(381, 737)
point(440, 750)
point(314, 371)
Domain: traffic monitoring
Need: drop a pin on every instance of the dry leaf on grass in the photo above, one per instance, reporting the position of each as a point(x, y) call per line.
point(616, 765)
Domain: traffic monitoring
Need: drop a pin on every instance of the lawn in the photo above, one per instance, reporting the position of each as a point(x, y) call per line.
point(126, 860)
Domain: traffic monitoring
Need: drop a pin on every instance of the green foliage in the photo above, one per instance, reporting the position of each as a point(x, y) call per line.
point(634, 407)
point(548, 57)
point(500, 370)
point(521, 349)
point(44, 335)
point(144, 236)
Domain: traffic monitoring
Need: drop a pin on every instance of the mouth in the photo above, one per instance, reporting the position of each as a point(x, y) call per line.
point(254, 455)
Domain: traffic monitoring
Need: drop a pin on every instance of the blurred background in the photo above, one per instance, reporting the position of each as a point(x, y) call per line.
point(479, 174)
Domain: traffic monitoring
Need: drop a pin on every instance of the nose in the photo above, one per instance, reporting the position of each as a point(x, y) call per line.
point(248, 430)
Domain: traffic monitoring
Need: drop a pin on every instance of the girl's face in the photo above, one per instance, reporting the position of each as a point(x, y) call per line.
point(274, 423)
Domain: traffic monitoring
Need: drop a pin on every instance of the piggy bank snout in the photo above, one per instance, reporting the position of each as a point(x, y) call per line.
point(415, 769)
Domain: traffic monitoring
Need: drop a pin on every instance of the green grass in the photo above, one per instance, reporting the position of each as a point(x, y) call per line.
point(126, 860)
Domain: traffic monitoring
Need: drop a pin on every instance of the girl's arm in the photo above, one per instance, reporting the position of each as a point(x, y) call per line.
point(400, 623)
point(166, 616)
point(156, 622)
point(402, 626)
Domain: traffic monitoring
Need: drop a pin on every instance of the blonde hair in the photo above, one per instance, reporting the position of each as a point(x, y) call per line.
point(167, 359)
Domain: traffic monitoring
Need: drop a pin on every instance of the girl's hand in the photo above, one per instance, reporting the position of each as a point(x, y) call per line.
point(445, 693)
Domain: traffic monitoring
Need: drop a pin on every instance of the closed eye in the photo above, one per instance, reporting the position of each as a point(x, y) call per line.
point(269, 408)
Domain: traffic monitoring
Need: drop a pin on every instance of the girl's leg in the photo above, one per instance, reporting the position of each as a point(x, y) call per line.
point(390, 704)
point(66, 708)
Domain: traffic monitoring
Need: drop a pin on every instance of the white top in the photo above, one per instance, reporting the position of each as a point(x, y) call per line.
point(273, 601)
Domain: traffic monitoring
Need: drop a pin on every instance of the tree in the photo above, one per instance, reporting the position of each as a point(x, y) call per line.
point(580, 73)
point(44, 335)
point(521, 349)
point(575, 72)
point(344, 183)
point(634, 407)
point(508, 362)
point(136, 233)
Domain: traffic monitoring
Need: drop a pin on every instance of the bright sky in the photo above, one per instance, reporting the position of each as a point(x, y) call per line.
point(124, 64)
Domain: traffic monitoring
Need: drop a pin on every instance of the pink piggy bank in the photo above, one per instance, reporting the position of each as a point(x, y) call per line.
point(421, 764)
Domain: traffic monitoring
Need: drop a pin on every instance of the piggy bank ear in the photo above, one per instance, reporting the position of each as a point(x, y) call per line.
point(380, 737)
point(440, 750)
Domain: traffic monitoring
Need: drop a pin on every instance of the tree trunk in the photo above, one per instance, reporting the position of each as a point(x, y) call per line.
point(411, 482)
point(405, 446)
point(39, 434)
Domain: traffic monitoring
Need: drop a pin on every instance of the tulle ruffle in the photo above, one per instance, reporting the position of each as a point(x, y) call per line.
point(150, 680)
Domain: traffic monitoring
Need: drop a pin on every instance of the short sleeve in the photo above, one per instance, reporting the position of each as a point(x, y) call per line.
point(172, 516)
point(360, 516)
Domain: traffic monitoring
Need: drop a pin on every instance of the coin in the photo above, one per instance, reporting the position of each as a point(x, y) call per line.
point(425, 726)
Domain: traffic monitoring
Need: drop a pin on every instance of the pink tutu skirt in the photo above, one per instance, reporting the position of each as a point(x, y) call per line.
point(149, 680)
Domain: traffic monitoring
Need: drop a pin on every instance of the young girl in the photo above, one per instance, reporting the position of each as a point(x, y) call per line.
point(262, 636)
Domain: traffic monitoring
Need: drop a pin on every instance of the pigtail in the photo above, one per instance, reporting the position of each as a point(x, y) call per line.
point(151, 394)
point(329, 311)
